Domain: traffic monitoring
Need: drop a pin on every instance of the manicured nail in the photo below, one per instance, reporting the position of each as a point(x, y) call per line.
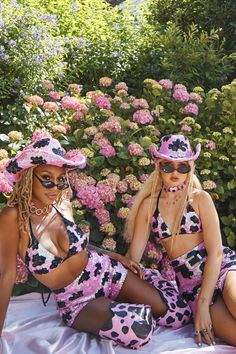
point(214, 343)
point(199, 344)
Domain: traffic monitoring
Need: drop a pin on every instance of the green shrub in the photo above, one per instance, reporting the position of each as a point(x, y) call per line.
point(31, 49)
point(206, 14)
point(194, 57)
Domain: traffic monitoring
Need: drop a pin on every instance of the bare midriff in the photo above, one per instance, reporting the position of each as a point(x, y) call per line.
point(180, 244)
point(65, 273)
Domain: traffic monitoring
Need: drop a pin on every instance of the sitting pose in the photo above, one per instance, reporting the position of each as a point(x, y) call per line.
point(94, 292)
point(182, 218)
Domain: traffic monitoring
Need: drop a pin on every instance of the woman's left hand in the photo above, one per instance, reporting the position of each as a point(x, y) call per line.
point(203, 326)
point(131, 265)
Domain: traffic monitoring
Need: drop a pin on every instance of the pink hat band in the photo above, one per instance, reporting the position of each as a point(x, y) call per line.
point(175, 148)
point(46, 151)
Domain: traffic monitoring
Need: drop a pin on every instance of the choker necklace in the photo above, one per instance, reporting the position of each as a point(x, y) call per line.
point(174, 189)
point(39, 211)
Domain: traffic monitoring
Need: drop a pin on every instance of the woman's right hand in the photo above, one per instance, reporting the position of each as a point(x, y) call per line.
point(203, 326)
point(131, 265)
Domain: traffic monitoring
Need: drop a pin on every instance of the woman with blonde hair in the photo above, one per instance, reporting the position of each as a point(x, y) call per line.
point(183, 219)
point(94, 292)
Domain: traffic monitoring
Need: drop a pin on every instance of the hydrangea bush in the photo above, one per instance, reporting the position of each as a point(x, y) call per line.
point(114, 130)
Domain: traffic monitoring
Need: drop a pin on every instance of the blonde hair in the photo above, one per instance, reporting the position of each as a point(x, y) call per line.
point(151, 189)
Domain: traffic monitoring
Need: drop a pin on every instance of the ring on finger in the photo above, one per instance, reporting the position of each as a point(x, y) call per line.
point(196, 332)
point(204, 331)
point(210, 326)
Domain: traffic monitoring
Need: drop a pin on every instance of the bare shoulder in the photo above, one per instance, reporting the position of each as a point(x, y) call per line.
point(202, 199)
point(9, 214)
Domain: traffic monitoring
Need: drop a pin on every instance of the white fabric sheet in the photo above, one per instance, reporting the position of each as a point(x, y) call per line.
point(31, 328)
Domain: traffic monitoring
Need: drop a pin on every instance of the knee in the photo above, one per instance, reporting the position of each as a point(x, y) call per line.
point(131, 325)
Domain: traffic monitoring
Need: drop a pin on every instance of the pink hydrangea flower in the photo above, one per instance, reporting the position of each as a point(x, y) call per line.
point(91, 94)
point(48, 84)
point(54, 95)
point(122, 187)
point(211, 145)
point(166, 84)
point(135, 149)
point(181, 95)
point(5, 187)
point(78, 115)
point(84, 108)
point(67, 126)
point(127, 199)
point(50, 106)
point(167, 272)
point(208, 185)
point(59, 129)
point(35, 100)
point(186, 128)
point(180, 87)
point(102, 102)
point(121, 86)
point(113, 179)
point(102, 215)
point(142, 117)
point(191, 108)
point(105, 81)
point(75, 88)
point(151, 251)
point(72, 103)
point(140, 103)
point(125, 105)
point(3, 154)
point(109, 243)
point(88, 196)
point(40, 134)
point(105, 192)
point(122, 93)
point(112, 125)
point(107, 149)
point(195, 97)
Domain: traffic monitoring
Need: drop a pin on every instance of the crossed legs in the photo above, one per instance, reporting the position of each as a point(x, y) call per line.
point(134, 291)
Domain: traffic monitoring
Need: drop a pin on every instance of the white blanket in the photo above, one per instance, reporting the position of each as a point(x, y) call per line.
point(31, 328)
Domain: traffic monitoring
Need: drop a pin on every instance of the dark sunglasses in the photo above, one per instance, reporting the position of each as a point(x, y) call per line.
point(169, 168)
point(50, 184)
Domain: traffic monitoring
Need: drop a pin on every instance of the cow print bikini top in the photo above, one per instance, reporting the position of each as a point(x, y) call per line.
point(190, 223)
point(40, 261)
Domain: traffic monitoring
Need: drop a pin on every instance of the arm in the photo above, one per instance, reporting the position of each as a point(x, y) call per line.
point(8, 250)
point(141, 232)
point(213, 244)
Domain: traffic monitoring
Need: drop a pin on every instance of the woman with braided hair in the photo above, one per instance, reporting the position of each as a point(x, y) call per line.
point(94, 292)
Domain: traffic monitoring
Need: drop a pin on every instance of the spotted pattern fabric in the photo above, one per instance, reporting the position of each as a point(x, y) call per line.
point(40, 261)
point(103, 276)
point(190, 223)
point(189, 269)
point(131, 325)
point(179, 312)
